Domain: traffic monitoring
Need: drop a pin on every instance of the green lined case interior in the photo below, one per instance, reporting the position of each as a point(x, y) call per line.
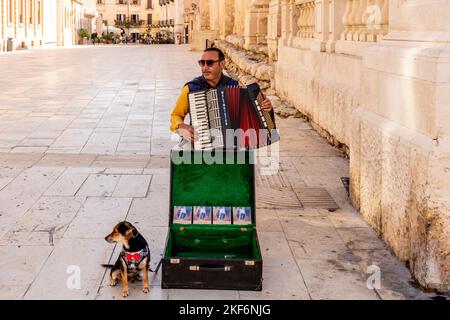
point(200, 184)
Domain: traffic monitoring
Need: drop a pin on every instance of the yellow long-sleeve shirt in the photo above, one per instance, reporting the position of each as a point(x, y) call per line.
point(180, 110)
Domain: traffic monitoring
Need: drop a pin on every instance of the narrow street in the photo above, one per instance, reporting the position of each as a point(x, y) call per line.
point(84, 144)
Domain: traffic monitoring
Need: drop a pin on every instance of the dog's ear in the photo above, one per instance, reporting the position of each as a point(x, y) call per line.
point(123, 228)
point(131, 232)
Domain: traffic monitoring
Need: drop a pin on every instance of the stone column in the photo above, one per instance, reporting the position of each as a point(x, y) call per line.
point(227, 11)
point(179, 21)
point(284, 21)
point(274, 29)
point(214, 15)
point(292, 22)
point(204, 14)
point(2, 21)
point(206, 32)
point(336, 27)
point(60, 22)
point(15, 21)
point(322, 25)
point(239, 17)
point(400, 141)
point(256, 23)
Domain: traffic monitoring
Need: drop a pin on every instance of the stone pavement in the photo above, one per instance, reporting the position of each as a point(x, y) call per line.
point(84, 144)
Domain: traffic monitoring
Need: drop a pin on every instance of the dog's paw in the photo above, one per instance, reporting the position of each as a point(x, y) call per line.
point(125, 293)
point(112, 282)
point(146, 290)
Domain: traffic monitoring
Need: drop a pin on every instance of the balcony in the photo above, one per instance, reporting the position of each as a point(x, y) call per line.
point(128, 23)
point(164, 2)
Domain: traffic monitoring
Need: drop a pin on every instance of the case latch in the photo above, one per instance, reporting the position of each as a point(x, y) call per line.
point(194, 268)
point(175, 261)
point(249, 263)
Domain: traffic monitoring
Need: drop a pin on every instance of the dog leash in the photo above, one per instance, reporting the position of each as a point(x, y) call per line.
point(157, 267)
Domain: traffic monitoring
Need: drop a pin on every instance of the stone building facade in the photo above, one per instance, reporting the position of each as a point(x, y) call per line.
point(90, 18)
point(133, 16)
point(23, 22)
point(373, 77)
point(31, 23)
point(172, 18)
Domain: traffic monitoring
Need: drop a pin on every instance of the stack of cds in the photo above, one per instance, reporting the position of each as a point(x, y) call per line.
point(212, 215)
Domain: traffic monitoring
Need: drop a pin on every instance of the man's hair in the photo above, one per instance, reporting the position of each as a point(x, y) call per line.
point(220, 52)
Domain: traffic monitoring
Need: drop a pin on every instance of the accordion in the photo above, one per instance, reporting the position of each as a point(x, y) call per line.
point(231, 117)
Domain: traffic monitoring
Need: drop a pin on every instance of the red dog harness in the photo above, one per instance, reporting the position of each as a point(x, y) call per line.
point(133, 259)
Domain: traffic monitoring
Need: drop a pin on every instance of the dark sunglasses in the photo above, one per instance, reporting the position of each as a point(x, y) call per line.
point(209, 63)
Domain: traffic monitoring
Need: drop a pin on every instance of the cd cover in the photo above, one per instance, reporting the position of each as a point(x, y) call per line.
point(242, 215)
point(221, 215)
point(202, 215)
point(182, 215)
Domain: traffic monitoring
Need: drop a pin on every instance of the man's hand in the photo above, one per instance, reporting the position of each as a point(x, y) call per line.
point(267, 104)
point(186, 131)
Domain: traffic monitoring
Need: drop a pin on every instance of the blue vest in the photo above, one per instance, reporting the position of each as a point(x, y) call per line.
point(200, 83)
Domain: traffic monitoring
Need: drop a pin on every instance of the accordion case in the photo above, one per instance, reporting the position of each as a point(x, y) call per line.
point(212, 256)
point(231, 117)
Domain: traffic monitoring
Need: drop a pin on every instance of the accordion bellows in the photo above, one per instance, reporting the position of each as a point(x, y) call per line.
point(231, 117)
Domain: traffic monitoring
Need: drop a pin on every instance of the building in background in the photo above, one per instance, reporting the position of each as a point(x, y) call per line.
point(68, 24)
point(172, 18)
point(22, 22)
point(191, 17)
point(90, 19)
point(134, 17)
point(31, 23)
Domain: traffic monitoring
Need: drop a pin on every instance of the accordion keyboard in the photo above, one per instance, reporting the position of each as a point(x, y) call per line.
point(215, 122)
point(199, 118)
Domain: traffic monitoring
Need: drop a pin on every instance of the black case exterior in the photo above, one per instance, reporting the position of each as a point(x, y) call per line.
point(218, 274)
point(184, 273)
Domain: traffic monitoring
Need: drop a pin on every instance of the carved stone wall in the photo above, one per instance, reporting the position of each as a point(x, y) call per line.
point(372, 76)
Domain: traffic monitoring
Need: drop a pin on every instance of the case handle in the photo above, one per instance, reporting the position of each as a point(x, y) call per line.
point(209, 267)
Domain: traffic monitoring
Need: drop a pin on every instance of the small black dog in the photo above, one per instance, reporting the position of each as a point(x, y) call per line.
point(135, 256)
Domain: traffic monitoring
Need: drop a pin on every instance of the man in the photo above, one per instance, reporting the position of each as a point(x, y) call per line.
point(94, 37)
point(212, 64)
point(241, 214)
point(182, 213)
point(202, 213)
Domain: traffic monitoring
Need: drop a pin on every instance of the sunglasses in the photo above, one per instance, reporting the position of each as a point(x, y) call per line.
point(209, 63)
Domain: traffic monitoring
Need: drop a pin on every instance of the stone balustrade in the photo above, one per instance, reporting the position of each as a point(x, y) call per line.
point(306, 21)
point(365, 20)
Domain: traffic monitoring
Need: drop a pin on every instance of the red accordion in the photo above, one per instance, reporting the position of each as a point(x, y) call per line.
point(231, 117)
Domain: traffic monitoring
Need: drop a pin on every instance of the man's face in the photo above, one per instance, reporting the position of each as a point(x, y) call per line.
point(214, 72)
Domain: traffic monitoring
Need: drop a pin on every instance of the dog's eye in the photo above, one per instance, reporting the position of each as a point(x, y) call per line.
point(122, 229)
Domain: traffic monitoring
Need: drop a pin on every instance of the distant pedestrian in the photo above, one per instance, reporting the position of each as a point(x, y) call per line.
point(94, 37)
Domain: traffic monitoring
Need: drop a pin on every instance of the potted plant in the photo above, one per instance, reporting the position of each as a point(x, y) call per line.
point(84, 35)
